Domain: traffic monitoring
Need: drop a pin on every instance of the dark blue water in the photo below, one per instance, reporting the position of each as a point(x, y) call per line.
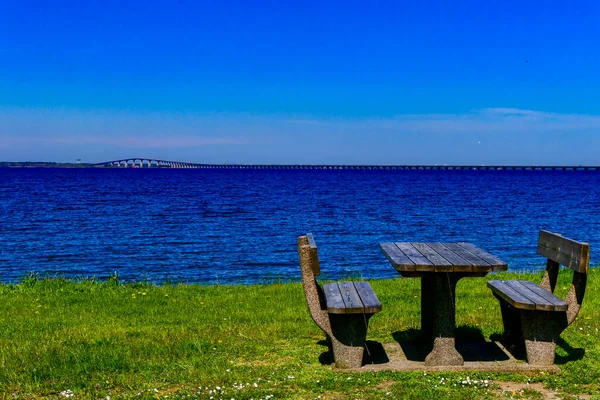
point(241, 226)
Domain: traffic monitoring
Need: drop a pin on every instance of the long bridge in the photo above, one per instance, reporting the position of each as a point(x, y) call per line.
point(157, 163)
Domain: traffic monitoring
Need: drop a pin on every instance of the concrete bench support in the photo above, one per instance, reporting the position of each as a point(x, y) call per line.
point(533, 316)
point(342, 310)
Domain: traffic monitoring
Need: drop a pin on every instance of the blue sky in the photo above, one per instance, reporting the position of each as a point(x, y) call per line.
point(269, 82)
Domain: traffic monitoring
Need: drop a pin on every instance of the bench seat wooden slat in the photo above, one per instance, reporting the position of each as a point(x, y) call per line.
point(527, 295)
point(539, 301)
point(512, 297)
point(351, 298)
point(368, 297)
point(333, 299)
point(557, 303)
point(342, 298)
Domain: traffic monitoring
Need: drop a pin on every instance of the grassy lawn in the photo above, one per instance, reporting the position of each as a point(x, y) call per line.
point(87, 339)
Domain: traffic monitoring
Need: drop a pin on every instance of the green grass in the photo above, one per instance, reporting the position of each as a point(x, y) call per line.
point(99, 339)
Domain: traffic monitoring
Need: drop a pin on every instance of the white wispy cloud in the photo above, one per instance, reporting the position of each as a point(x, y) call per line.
point(137, 142)
point(497, 119)
point(517, 135)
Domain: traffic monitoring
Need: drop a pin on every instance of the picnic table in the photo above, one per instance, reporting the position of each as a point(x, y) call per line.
point(440, 266)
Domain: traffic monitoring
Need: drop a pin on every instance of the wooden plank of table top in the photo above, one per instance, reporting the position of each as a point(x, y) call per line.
point(398, 259)
point(559, 304)
point(460, 264)
point(479, 264)
point(351, 298)
point(513, 298)
point(495, 262)
point(368, 297)
point(440, 264)
point(540, 302)
point(421, 262)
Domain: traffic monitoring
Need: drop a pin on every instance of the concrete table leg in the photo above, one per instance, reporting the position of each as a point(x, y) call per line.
point(427, 289)
point(444, 322)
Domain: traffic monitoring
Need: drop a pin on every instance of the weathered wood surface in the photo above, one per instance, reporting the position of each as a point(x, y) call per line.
point(420, 262)
point(440, 257)
point(559, 304)
point(567, 252)
point(484, 255)
point(541, 330)
point(350, 298)
point(479, 264)
point(333, 298)
point(368, 297)
point(397, 257)
point(459, 263)
point(527, 296)
point(505, 292)
point(440, 264)
point(314, 254)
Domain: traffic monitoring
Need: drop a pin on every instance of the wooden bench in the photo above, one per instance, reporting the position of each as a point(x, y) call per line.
point(532, 315)
point(342, 309)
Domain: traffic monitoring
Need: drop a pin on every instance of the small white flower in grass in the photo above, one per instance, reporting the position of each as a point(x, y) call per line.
point(155, 390)
point(255, 384)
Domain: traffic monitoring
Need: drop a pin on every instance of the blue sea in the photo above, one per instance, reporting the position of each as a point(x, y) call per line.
point(241, 226)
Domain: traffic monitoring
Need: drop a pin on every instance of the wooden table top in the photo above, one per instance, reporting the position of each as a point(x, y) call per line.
point(441, 257)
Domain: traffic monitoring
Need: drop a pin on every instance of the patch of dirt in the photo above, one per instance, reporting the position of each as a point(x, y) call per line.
point(385, 385)
point(516, 389)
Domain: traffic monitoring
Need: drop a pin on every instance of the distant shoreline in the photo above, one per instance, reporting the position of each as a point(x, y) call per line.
point(44, 164)
point(414, 167)
point(41, 164)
